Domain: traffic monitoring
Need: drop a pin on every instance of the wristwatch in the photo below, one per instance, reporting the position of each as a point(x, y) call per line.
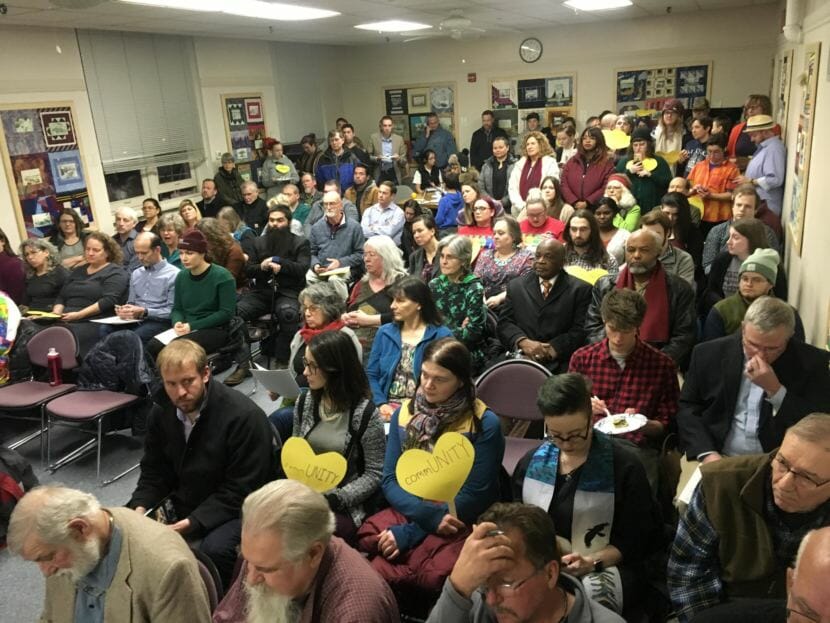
point(599, 566)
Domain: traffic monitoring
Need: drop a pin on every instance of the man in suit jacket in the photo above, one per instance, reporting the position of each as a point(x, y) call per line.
point(743, 391)
point(107, 564)
point(388, 153)
point(544, 312)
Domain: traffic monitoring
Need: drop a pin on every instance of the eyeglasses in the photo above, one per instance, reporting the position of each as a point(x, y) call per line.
point(480, 208)
point(767, 350)
point(796, 615)
point(782, 467)
point(312, 367)
point(511, 587)
point(555, 437)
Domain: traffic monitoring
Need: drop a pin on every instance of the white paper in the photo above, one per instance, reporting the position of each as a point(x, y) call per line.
point(343, 270)
point(115, 320)
point(165, 337)
point(685, 496)
point(280, 382)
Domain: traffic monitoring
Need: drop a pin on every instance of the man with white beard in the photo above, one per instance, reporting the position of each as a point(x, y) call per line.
point(295, 570)
point(105, 564)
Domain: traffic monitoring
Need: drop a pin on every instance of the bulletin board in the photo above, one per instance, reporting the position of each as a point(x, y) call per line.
point(647, 88)
point(244, 115)
point(512, 99)
point(803, 144)
point(42, 153)
point(782, 75)
point(409, 106)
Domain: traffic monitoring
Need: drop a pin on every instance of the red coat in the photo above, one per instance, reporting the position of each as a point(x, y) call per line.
point(584, 184)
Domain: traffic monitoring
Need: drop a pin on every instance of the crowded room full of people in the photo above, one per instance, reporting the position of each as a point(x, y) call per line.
point(421, 325)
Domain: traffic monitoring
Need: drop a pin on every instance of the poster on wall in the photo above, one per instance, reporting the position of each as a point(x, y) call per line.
point(532, 93)
point(803, 144)
point(244, 115)
point(783, 71)
point(552, 98)
point(503, 95)
point(396, 103)
point(43, 159)
point(559, 92)
point(648, 88)
point(409, 105)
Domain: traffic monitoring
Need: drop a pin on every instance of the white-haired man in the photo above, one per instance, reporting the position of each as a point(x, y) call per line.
point(252, 209)
point(295, 570)
point(105, 564)
point(125, 233)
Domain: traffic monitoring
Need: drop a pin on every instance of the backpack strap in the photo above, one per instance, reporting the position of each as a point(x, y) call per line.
point(368, 411)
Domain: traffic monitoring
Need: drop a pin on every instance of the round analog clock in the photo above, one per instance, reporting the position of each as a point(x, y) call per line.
point(530, 50)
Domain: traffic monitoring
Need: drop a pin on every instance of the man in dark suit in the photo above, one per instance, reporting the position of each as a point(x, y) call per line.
point(481, 144)
point(211, 202)
point(743, 391)
point(544, 312)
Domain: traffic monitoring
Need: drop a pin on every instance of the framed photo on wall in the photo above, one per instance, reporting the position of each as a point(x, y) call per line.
point(44, 162)
point(244, 117)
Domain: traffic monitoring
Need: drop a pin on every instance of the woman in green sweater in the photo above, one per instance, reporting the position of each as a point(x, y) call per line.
point(648, 185)
point(205, 298)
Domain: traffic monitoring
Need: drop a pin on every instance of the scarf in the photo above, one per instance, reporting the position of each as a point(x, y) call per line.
point(531, 177)
point(308, 333)
point(655, 327)
point(423, 426)
point(593, 509)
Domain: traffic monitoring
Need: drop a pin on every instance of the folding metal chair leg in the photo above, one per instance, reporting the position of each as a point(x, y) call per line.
point(98, 457)
point(74, 455)
point(121, 475)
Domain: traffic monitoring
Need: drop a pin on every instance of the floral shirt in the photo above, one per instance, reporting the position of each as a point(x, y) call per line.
point(460, 302)
point(495, 273)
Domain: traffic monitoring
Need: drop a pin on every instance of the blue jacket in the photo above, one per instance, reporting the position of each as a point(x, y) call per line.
point(332, 167)
point(440, 141)
point(386, 354)
point(448, 208)
point(480, 490)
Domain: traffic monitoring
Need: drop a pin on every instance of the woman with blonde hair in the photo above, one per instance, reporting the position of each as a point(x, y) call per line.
point(237, 229)
point(190, 213)
point(537, 162)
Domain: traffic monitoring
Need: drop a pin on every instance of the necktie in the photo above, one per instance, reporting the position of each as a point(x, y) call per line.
point(545, 289)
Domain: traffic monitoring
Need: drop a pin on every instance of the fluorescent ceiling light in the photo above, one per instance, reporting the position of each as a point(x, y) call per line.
point(393, 25)
point(597, 5)
point(246, 8)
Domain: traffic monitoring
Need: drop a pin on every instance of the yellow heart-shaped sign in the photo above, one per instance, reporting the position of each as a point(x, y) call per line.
point(649, 164)
point(321, 472)
point(670, 156)
point(589, 276)
point(696, 202)
point(616, 139)
point(440, 474)
point(282, 168)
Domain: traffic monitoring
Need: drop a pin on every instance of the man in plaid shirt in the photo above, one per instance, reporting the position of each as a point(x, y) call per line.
point(628, 375)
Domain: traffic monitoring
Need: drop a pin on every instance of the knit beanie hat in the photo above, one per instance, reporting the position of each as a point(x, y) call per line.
point(674, 105)
point(762, 261)
point(619, 177)
point(193, 240)
point(641, 134)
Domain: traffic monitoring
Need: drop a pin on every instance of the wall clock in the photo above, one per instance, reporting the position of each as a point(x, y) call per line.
point(530, 50)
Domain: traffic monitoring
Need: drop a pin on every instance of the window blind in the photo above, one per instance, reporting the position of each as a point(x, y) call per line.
point(143, 97)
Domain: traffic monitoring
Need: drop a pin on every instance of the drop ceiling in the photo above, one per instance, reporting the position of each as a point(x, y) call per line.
point(496, 17)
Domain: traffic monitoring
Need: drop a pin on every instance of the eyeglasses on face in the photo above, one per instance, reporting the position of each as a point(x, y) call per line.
point(782, 466)
point(312, 367)
point(508, 588)
point(557, 438)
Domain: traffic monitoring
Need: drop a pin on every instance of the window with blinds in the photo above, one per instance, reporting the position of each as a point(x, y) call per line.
point(143, 96)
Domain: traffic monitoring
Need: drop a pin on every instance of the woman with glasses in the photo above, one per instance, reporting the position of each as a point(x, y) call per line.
point(597, 493)
point(45, 275)
point(415, 543)
point(507, 260)
point(69, 238)
point(484, 212)
point(337, 415)
point(151, 209)
point(321, 309)
point(171, 228)
point(370, 303)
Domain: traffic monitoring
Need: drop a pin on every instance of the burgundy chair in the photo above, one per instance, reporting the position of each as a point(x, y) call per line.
point(509, 389)
point(31, 394)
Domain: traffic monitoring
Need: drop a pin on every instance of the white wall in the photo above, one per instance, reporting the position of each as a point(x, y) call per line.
point(42, 74)
point(740, 44)
point(808, 282)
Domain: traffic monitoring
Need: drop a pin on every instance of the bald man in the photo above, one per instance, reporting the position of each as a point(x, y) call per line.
point(669, 323)
point(544, 313)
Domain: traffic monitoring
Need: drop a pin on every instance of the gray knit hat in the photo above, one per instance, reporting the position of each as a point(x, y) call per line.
point(764, 262)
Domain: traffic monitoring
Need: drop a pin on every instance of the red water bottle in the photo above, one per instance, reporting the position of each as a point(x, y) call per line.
point(53, 358)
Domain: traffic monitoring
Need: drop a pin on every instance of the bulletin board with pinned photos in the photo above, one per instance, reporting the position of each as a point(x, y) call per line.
point(44, 163)
point(409, 106)
point(244, 115)
point(649, 88)
point(512, 100)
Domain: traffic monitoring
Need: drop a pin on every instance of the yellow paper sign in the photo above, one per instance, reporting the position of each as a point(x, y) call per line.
point(616, 139)
point(321, 472)
point(670, 156)
point(696, 202)
point(282, 168)
point(440, 474)
point(589, 276)
point(649, 164)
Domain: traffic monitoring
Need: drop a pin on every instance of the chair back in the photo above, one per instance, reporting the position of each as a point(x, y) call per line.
point(59, 338)
point(509, 388)
point(210, 576)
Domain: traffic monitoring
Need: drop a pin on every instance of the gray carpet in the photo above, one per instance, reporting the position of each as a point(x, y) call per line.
point(22, 583)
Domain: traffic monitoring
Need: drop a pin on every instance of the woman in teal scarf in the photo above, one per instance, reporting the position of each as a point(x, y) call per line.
point(596, 491)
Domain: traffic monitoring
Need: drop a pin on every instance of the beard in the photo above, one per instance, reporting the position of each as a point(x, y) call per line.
point(85, 557)
point(639, 268)
point(265, 606)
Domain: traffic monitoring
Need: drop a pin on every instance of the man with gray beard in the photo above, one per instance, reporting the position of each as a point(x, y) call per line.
point(669, 323)
point(105, 564)
point(295, 570)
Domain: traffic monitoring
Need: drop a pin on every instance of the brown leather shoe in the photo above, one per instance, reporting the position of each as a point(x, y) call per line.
point(242, 372)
